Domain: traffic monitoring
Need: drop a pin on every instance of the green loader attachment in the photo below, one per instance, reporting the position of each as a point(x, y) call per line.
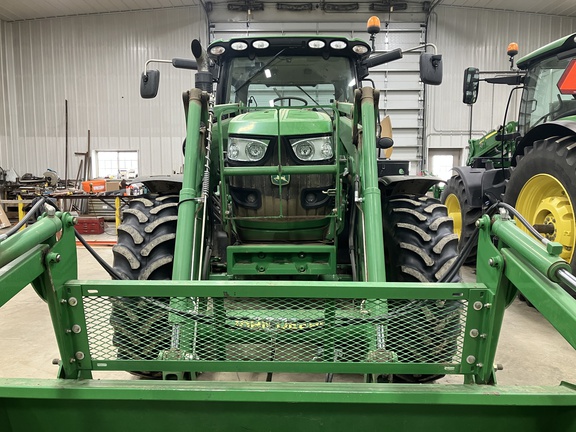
point(283, 250)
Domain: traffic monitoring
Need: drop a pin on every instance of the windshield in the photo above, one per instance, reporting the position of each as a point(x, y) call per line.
point(310, 80)
point(541, 99)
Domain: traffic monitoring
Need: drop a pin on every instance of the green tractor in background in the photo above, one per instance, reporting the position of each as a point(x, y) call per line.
point(529, 164)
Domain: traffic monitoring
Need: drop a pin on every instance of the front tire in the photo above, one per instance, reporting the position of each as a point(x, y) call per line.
point(421, 247)
point(144, 251)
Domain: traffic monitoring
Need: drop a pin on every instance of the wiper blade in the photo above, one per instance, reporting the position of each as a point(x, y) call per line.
point(313, 100)
point(259, 71)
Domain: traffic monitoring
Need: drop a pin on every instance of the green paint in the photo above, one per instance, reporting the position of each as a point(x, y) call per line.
point(216, 406)
point(371, 205)
point(489, 147)
point(283, 122)
point(186, 233)
point(546, 51)
point(266, 260)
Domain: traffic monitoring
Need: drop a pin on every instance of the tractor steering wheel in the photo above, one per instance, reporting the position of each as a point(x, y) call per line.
point(288, 98)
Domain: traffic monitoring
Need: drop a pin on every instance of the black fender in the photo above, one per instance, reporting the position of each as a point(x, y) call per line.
point(161, 184)
point(558, 128)
point(404, 184)
point(472, 179)
point(494, 182)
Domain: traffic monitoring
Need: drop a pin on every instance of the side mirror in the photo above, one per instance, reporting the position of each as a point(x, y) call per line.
point(149, 83)
point(431, 68)
point(471, 81)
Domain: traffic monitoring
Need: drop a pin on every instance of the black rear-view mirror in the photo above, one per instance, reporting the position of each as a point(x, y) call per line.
point(471, 81)
point(149, 84)
point(431, 68)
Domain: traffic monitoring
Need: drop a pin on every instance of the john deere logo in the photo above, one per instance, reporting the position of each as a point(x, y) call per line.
point(280, 180)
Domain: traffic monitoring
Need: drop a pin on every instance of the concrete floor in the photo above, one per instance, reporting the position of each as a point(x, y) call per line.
point(530, 350)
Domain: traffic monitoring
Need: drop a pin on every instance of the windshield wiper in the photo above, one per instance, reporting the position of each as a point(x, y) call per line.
point(259, 71)
point(313, 100)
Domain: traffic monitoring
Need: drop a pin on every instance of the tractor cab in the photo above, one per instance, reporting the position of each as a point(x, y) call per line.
point(285, 134)
point(549, 89)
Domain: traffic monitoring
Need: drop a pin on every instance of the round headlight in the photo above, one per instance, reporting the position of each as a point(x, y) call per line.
point(304, 150)
point(255, 150)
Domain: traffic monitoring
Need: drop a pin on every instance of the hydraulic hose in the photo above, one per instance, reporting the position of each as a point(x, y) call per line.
point(109, 269)
point(565, 276)
point(24, 220)
point(524, 222)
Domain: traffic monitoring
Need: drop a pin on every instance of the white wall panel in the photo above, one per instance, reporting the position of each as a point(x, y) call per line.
point(3, 96)
point(474, 37)
point(95, 63)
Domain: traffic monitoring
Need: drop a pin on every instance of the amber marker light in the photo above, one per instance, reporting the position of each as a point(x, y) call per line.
point(373, 25)
point(512, 49)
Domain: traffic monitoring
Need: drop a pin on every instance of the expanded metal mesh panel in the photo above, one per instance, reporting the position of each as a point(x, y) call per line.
point(276, 329)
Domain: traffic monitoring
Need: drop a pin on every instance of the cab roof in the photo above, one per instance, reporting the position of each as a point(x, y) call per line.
point(311, 45)
point(566, 47)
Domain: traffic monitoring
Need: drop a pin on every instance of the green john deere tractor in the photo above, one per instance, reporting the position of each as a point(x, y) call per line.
point(287, 247)
point(282, 183)
point(529, 163)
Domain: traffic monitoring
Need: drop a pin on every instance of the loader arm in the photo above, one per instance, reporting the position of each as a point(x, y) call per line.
point(81, 302)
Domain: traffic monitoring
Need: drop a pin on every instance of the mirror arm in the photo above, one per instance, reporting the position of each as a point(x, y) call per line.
point(179, 63)
point(420, 47)
point(153, 60)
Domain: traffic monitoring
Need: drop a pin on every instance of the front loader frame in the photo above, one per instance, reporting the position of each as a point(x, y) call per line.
point(216, 405)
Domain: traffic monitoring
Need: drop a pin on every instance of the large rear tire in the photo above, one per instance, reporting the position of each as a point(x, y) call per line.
point(542, 187)
point(144, 251)
point(465, 215)
point(421, 247)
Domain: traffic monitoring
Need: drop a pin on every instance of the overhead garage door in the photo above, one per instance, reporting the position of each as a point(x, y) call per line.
point(401, 92)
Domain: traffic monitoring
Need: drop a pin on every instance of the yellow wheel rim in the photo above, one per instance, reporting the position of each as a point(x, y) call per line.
point(455, 212)
point(544, 201)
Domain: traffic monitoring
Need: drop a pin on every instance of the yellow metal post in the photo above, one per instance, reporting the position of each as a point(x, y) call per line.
point(117, 212)
point(21, 213)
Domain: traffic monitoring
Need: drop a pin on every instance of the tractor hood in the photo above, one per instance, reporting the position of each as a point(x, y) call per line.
point(283, 122)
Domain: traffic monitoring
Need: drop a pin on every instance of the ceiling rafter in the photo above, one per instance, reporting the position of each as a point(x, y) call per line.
point(17, 10)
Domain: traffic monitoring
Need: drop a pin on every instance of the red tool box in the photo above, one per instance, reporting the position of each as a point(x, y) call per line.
point(90, 225)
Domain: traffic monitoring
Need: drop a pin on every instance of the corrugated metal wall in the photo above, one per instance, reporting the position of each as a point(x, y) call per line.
point(3, 100)
point(472, 37)
point(95, 63)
